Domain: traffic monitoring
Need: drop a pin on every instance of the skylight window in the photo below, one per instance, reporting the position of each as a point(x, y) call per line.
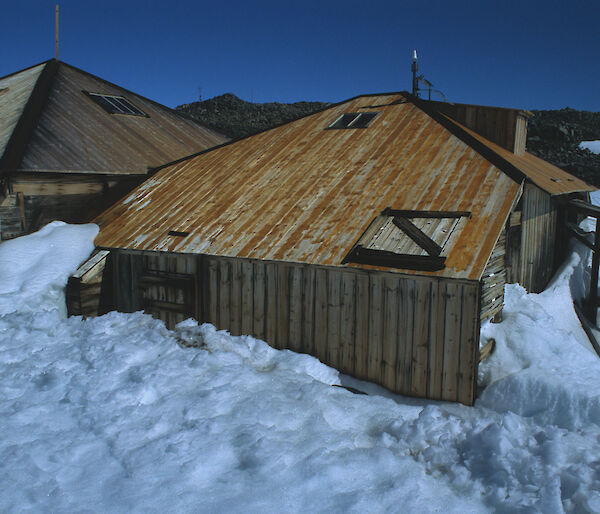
point(353, 120)
point(116, 104)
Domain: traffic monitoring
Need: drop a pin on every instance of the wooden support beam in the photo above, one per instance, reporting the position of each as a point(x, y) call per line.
point(487, 349)
point(584, 208)
point(587, 328)
point(425, 214)
point(362, 255)
point(422, 239)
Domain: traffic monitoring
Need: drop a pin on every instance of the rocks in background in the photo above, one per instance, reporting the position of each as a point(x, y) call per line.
point(552, 135)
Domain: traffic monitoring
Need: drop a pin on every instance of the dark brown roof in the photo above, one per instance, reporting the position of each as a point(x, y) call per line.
point(56, 127)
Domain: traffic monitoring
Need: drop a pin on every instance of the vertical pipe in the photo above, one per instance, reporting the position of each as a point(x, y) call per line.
point(56, 32)
point(414, 69)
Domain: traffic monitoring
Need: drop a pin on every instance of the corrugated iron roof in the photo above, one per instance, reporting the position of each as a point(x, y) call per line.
point(305, 193)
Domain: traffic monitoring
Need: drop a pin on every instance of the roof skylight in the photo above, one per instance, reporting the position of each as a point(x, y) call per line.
point(353, 120)
point(116, 104)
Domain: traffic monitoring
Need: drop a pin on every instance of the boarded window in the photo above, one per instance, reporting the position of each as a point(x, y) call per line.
point(417, 240)
point(353, 120)
point(116, 104)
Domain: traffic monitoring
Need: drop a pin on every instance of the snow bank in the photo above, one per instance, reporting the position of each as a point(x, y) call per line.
point(592, 146)
point(35, 268)
point(118, 414)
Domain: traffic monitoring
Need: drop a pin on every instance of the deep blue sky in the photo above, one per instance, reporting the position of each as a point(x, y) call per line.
point(526, 54)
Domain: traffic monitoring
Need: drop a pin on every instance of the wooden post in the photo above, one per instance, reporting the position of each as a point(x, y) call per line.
point(593, 299)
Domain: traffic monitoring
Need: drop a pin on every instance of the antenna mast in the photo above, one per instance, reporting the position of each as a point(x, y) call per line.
point(415, 69)
point(56, 37)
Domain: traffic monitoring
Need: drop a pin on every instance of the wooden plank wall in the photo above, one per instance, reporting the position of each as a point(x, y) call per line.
point(414, 335)
point(538, 238)
point(493, 281)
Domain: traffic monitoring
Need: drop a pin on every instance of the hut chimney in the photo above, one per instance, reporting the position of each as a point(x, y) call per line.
point(415, 68)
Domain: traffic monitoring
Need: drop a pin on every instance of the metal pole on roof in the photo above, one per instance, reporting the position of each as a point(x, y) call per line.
point(414, 68)
point(56, 32)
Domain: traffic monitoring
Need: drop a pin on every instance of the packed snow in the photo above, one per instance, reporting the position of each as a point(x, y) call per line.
point(119, 414)
point(592, 146)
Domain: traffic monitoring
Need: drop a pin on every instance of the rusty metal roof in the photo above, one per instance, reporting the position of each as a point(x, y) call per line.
point(61, 129)
point(304, 193)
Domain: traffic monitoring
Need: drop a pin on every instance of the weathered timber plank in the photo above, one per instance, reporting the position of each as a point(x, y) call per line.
point(235, 300)
point(258, 304)
point(213, 280)
point(420, 346)
point(283, 305)
point(321, 314)
point(436, 342)
point(389, 338)
point(423, 240)
point(469, 346)
point(224, 294)
point(295, 309)
point(247, 297)
point(362, 310)
point(406, 335)
point(333, 318)
point(452, 325)
point(271, 304)
point(308, 310)
point(348, 323)
point(375, 327)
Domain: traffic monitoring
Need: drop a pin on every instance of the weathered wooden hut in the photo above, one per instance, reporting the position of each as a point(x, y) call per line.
point(72, 143)
point(376, 235)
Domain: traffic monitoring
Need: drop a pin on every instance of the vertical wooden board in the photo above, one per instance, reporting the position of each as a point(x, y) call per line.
point(308, 310)
point(247, 297)
point(389, 337)
point(271, 304)
point(348, 322)
point(235, 299)
point(361, 315)
point(295, 312)
point(436, 340)
point(283, 304)
point(452, 325)
point(407, 337)
point(200, 287)
point(258, 304)
point(333, 318)
point(376, 309)
point(469, 345)
point(224, 294)
point(321, 314)
point(213, 280)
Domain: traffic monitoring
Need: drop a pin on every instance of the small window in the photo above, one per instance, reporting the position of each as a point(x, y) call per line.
point(116, 104)
point(3, 90)
point(353, 120)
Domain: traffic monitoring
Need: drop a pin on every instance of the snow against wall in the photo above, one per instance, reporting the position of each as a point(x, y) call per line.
point(118, 414)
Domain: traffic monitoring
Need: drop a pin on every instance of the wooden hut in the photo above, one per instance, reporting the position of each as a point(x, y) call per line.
point(72, 143)
point(376, 235)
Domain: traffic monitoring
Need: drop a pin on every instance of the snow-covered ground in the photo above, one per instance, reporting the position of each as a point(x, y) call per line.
point(592, 146)
point(117, 414)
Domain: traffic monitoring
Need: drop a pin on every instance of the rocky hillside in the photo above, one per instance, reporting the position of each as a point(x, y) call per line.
point(237, 118)
point(552, 135)
point(555, 137)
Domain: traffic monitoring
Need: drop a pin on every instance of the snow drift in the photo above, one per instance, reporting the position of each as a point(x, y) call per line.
point(118, 414)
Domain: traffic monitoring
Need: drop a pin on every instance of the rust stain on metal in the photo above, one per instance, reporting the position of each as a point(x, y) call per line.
point(303, 193)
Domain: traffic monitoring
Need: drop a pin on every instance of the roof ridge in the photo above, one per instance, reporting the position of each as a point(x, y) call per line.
point(457, 130)
point(16, 145)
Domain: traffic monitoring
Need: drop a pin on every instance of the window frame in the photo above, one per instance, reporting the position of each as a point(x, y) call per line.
point(119, 104)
